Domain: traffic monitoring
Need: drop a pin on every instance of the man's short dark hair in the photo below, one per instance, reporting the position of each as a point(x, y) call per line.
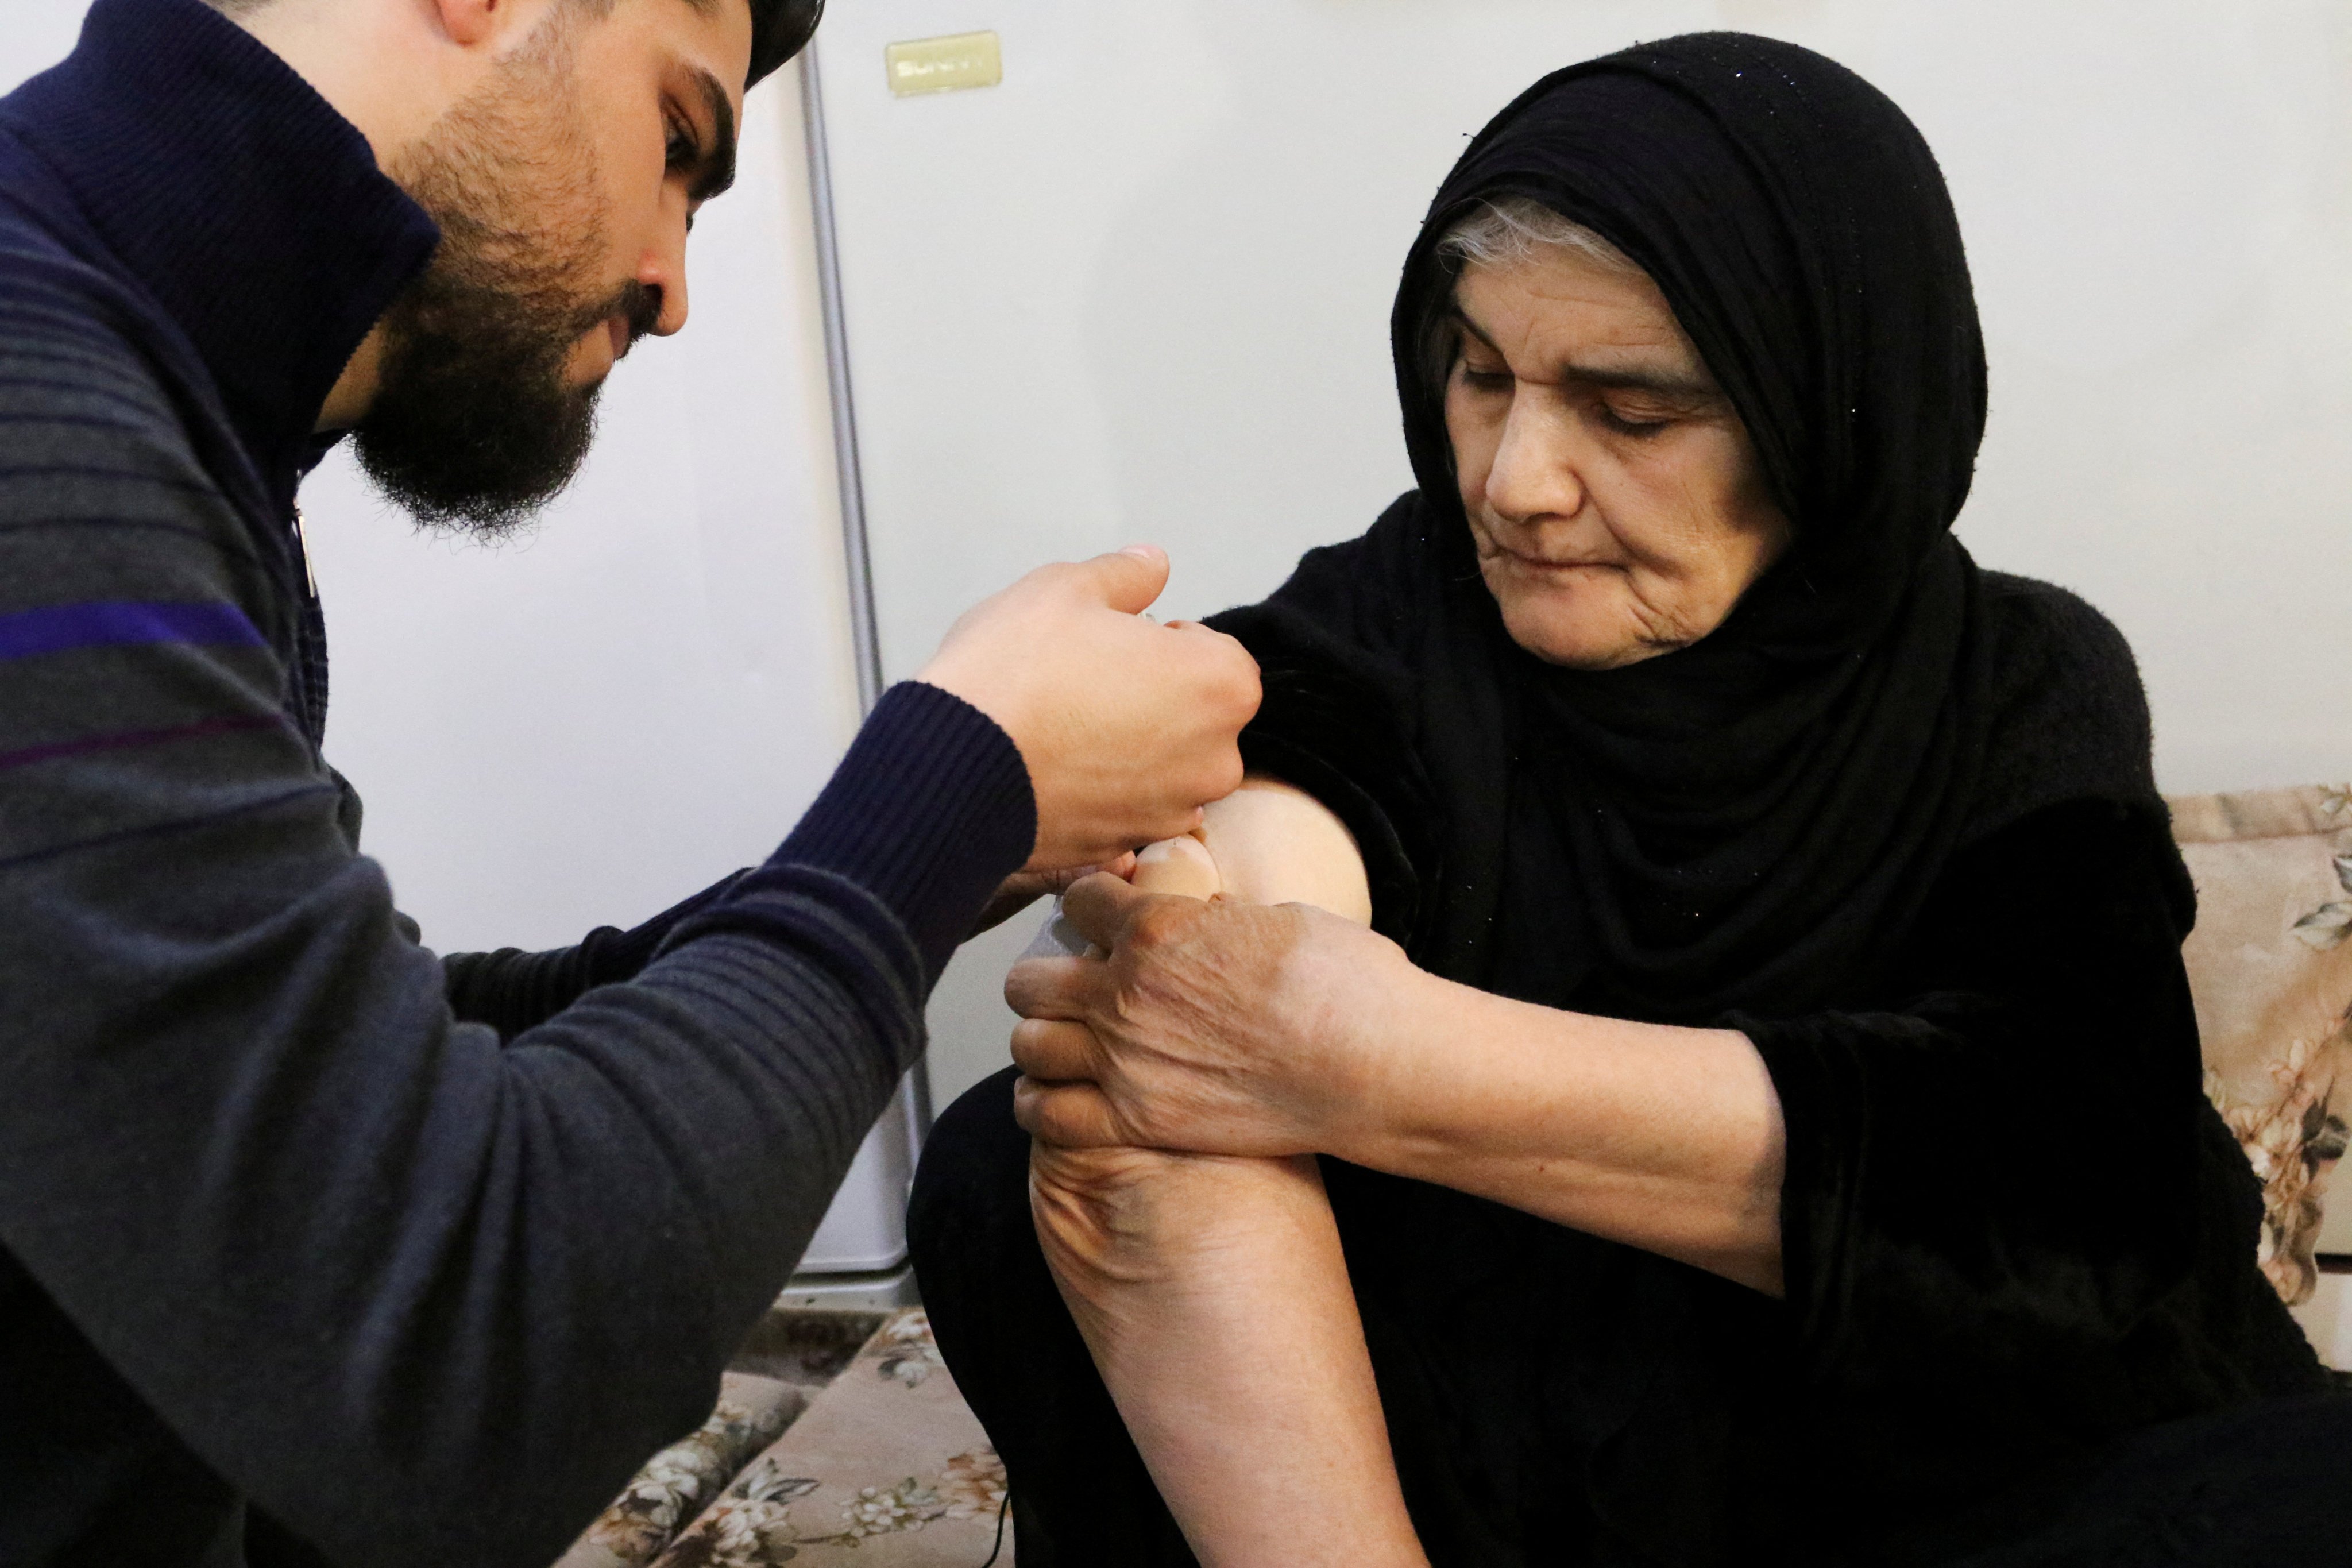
point(780, 28)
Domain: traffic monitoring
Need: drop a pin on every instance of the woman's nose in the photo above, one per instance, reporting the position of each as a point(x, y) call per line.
point(1535, 472)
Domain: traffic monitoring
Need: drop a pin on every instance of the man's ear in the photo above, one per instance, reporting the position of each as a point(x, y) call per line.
point(471, 23)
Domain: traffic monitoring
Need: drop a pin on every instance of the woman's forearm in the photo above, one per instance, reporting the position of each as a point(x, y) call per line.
point(1213, 1294)
point(1666, 1139)
point(1663, 1138)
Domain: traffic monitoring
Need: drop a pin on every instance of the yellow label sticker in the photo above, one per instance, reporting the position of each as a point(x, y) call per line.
point(944, 65)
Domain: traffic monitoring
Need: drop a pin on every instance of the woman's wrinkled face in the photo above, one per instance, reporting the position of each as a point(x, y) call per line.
point(1618, 507)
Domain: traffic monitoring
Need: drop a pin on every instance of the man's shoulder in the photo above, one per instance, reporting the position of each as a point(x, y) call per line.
point(72, 374)
point(70, 324)
point(79, 377)
point(104, 491)
point(84, 413)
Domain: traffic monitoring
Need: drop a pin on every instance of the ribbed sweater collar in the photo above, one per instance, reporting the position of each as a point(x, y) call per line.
point(237, 197)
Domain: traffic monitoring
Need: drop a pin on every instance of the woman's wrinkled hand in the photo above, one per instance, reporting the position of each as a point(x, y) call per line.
point(1213, 1027)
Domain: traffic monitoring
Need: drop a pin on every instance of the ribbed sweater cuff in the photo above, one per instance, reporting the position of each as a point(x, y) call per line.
point(930, 810)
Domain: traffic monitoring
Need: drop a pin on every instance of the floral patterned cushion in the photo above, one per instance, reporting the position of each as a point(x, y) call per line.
point(2271, 965)
point(888, 1469)
point(678, 1482)
point(887, 1458)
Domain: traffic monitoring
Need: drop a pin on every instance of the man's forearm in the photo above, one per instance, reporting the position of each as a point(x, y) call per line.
point(433, 1263)
point(511, 990)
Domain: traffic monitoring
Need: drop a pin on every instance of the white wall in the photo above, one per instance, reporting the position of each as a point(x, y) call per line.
point(2157, 198)
point(1140, 292)
point(1141, 289)
point(35, 35)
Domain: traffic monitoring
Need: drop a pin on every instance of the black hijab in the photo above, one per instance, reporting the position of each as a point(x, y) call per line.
point(1751, 821)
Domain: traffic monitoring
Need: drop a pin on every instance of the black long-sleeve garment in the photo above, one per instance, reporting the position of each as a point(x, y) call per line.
point(281, 1218)
point(512, 990)
point(2014, 1233)
point(1895, 817)
point(2013, 1229)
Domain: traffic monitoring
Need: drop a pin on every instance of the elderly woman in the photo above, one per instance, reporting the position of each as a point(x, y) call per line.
point(1763, 1116)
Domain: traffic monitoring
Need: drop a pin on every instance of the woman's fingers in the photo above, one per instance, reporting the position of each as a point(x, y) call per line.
point(1054, 987)
point(1180, 866)
point(1056, 1050)
point(1099, 908)
point(1067, 1115)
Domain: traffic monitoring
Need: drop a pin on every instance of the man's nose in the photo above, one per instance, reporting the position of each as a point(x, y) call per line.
point(663, 270)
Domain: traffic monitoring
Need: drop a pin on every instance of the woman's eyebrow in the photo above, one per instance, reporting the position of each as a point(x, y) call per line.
point(1663, 382)
point(718, 171)
point(1669, 384)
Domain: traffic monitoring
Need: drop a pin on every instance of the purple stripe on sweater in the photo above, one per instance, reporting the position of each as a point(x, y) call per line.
point(124, 738)
point(121, 622)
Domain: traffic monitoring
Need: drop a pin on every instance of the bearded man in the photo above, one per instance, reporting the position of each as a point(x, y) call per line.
point(313, 1245)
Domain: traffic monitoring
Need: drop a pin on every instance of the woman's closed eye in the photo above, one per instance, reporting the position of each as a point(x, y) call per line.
point(1630, 419)
point(1617, 412)
point(1486, 378)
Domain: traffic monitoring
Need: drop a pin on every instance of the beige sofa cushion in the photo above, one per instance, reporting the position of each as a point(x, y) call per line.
point(2271, 965)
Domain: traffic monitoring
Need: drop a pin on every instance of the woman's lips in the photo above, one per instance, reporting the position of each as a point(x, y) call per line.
point(1548, 568)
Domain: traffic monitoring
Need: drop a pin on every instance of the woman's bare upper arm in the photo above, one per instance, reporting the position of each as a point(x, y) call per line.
point(1276, 845)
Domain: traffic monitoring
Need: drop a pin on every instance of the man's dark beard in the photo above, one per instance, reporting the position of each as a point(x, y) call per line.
point(475, 424)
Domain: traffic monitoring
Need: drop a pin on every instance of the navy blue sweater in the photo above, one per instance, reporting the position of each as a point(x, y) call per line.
point(421, 1258)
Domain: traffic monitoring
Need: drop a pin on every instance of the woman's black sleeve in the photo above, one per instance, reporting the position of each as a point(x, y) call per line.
point(512, 991)
point(1337, 718)
point(1330, 723)
point(2006, 1194)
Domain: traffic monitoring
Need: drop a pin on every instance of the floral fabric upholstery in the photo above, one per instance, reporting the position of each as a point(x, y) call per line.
point(888, 1469)
point(887, 1464)
point(2271, 964)
point(680, 1482)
